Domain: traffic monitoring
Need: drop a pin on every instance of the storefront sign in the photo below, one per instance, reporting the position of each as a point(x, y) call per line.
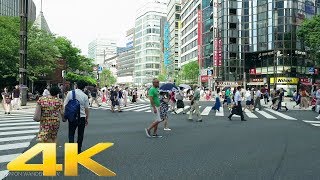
point(257, 80)
point(305, 80)
point(204, 79)
point(253, 71)
point(227, 83)
point(285, 80)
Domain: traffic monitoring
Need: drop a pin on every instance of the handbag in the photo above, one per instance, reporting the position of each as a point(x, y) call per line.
point(37, 114)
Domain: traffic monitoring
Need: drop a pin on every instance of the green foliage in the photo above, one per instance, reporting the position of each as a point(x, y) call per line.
point(72, 77)
point(107, 78)
point(189, 73)
point(309, 32)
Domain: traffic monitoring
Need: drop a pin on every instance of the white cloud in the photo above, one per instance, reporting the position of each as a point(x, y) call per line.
point(82, 21)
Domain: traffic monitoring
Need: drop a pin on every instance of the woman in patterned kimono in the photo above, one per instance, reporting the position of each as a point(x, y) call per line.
point(51, 113)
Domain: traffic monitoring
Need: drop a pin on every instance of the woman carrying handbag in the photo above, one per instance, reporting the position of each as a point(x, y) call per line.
point(49, 112)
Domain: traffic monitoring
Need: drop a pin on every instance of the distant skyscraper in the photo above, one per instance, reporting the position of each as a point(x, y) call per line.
point(102, 49)
point(12, 7)
point(147, 41)
point(41, 22)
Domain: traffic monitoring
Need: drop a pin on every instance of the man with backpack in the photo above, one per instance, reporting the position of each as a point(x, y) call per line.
point(77, 112)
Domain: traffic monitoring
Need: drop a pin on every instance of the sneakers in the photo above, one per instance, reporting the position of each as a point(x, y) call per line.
point(147, 133)
point(167, 129)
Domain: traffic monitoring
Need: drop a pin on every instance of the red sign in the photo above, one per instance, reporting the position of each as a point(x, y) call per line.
point(204, 78)
point(305, 80)
point(253, 71)
point(217, 52)
point(200, 37)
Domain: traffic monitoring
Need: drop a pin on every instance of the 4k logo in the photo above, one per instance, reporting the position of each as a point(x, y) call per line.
point(49, 167)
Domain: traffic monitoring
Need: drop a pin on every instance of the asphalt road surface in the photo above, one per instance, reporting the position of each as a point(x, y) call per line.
point(269, 146)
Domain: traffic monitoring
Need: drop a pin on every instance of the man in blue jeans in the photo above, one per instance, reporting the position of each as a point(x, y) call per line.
point(84, 114)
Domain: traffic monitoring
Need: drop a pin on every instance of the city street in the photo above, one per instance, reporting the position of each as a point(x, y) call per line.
point(270, 145)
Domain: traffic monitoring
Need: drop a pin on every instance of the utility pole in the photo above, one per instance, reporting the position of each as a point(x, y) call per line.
point(23, 50)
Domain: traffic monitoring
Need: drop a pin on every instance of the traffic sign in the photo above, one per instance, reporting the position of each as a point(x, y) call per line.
point(210, 72)
point(311, 70)
point(100, 69)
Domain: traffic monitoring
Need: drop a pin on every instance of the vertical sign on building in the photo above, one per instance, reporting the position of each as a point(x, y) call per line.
point(200, 37)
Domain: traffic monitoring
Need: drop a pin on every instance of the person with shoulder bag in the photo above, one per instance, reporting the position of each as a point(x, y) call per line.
point(49, 112)
point(180, 97)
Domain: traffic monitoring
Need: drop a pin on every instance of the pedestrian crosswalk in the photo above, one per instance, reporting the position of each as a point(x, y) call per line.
point(16, 132)
point(313, 123)
point(206, 111)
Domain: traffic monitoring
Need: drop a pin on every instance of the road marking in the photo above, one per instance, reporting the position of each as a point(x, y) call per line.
point(17, 120)
point(181, 110)
point(139, 110)
point(266, 115)
point(8, 158)
point(315, 122)
point(14, 146)
point(17, 138)
point(3, 174)
point(221, 112)
point(19, 127)
point(250, 114)
point(17, 124)
point(136, 107)
point(206, 111)
point(19, 132)
point(281, 114)
point(317, 125)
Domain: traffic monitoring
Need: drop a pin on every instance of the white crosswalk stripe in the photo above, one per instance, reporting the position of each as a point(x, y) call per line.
point(206, 111)
point(281, 114)
point(250, 114)
point(16, 132)
point(313, 123)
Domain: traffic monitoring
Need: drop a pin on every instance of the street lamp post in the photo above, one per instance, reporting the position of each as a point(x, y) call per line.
point(23, 50)
point(275, 64)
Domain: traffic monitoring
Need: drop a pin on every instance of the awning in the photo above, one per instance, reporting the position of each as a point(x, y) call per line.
point(256, 83)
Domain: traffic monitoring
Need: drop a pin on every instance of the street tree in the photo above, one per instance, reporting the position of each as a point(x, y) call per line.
point(309, 33)
point(190, 72)
point(107, 78)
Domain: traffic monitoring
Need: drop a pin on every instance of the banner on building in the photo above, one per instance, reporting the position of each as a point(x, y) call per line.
point(200, 37)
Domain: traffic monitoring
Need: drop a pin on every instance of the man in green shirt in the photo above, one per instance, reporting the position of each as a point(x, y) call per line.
point(195, 104)
point(155, 108)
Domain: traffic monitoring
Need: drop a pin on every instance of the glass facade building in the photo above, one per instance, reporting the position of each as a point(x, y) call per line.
point(147, 41)
point(12, 8)
point(207, 34)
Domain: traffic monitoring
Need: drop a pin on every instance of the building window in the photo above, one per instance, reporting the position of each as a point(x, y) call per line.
point(233, 40)
point(233, 11)
point(233, 25)
point(233, 55)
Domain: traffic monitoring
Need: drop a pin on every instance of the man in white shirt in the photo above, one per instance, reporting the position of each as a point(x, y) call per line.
point(125, 95)
point(238, 107)
point(46, 92)
point(257, 101)
point(84, 114)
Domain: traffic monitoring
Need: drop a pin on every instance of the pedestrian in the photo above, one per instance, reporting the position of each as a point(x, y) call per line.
point(257, 101)
point(248, 100)
point(104, 98)
point(179, 97)
point(227, 97)
point(6, 100)
point(125, 96)
point(164, 107)
point(155, 109)
point(237, 109)
point(173, 102)
point(82, 122)
point(134, 95)
point(297, 99)
point(94, 96)
point(51, 113)
point(16, 104)
point(115, 98)
point(318, 102)
point(195, 104)
point(46, 91)
point(217, 104)
point(304, 98)
point(266, 97)
point(273, 97)
point(280, 98)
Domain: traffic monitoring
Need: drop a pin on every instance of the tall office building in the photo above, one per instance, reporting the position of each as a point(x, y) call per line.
point(12, 8)
point(189, 30)
point(147, 41)
point(259, 37)
point(102, 49)
point(41, 22)
point(126, 60)
point(174, 21)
